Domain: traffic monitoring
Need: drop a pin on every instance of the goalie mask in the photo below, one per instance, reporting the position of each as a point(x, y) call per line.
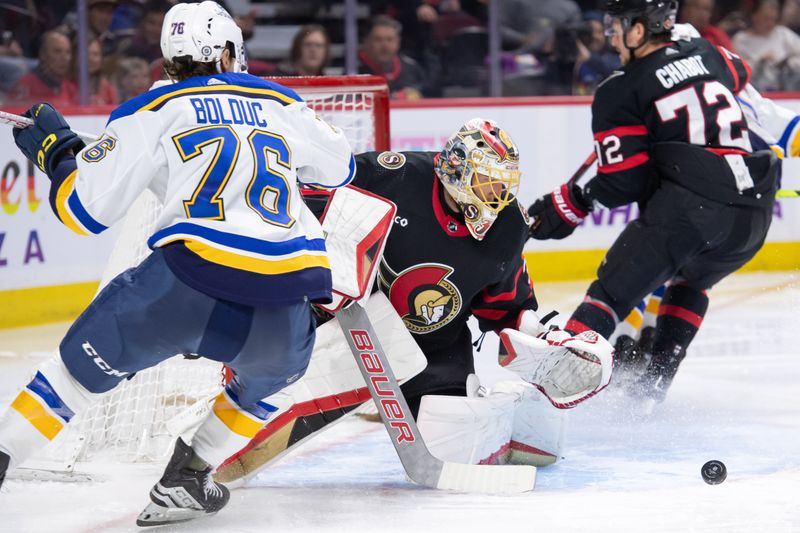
point(479, 168)
point(202, 31)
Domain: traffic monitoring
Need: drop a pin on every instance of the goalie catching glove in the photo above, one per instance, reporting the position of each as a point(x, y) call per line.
point(48, 137)
point(567, 369)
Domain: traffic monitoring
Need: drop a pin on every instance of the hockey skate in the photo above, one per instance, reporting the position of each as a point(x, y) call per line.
point(4, 460)
point(182, 493)
point(652, 386)
point(631, 358)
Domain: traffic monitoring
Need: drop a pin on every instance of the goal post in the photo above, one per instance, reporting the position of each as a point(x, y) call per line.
point(136, 421)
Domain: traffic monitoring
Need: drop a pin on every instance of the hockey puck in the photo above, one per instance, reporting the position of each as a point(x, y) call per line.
point(714, 472)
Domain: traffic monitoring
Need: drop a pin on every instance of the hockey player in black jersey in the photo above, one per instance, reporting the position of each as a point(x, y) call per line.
point(670, 136)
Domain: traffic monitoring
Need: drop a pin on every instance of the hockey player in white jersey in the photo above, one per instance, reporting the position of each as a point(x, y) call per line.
point(237, 256)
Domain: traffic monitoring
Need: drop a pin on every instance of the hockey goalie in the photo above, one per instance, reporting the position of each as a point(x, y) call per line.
point(520, 421)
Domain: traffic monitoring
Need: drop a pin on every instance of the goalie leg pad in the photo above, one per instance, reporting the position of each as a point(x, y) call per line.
point(513, 424)
point(41, 410)
point(331, 388)
point(537, 437)
point(467, 430)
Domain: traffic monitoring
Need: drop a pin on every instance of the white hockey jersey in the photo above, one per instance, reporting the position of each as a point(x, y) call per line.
point(775, 124)
point(223, 153)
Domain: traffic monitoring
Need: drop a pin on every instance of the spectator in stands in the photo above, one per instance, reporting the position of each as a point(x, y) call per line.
point(529, 25)
point(100, 14)
point(309, 53)
point(452, 18)
point(772, 50)
point(146, 41)
point(699, 13)
point(416, 17)
point(26, 22)
point(101, 91)
point(132, 77)
point(12, 63)
point(49, 81)
point(380, 55)
point(595, 57)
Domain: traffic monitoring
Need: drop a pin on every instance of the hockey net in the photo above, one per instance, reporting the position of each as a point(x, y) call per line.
point(138, 420)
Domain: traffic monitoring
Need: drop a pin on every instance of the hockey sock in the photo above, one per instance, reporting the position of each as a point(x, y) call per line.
point(631, 325)
point(41, 410)
point(679, 317)
point(594, 313)
point(229, 426)
point(651, 311)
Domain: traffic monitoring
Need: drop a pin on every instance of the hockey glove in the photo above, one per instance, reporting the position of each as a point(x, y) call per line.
point(555, 215)
point(47, 139)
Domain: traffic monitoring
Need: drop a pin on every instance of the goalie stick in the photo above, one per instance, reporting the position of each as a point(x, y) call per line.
point(18, 121)
point(420, 465)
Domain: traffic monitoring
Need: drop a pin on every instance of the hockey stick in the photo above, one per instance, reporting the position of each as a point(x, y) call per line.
point(787, 193)
point(588, 162)
point(18, 121)
point(420, 466)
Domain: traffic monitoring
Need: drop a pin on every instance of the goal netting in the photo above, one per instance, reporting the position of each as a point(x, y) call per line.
point(137, 421)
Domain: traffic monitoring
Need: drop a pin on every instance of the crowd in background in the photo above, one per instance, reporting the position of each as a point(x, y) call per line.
point(424, 48)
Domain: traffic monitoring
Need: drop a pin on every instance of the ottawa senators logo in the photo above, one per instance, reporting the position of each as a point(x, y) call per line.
point(422, 295)
point(391, 160)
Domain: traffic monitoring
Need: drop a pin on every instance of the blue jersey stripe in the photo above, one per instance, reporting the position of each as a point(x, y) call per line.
point(82, 215)
point(42, 388)
point(260, 409)
point(784, 140)
point(240, 242)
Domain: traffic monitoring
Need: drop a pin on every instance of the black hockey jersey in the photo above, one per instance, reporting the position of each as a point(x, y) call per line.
point(435, 273)
point(684, 92)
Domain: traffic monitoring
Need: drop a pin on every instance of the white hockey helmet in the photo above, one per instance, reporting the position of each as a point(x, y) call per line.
point(479, 168)
point(202, 31)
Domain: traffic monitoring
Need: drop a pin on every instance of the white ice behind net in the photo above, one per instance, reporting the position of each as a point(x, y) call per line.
point(132, 423)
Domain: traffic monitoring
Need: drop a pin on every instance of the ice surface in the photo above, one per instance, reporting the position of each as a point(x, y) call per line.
point(736, 399)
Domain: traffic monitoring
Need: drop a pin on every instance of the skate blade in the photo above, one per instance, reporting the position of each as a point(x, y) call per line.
point(157, 515)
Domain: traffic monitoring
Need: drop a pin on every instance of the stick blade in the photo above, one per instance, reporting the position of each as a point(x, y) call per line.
point(489, 479)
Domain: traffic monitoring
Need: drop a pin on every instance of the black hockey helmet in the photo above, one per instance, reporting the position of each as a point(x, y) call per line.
point(658, 16)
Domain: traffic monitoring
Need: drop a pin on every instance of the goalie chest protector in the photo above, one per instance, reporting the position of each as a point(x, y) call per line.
point(433, 271)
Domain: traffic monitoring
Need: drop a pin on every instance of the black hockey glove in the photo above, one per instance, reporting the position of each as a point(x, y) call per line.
point(555, 215)
point(48, 137)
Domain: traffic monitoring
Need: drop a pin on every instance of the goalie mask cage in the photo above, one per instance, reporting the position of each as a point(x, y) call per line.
point(139, 419)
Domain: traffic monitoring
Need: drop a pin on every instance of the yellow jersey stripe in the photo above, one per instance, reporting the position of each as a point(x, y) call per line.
point(216, 88)
point(252, 264)
point(652, 305)
point(62, 196)
point(36, 413)
point(635, 319)
point(235, 419)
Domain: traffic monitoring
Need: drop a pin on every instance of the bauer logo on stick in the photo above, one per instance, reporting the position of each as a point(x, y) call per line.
point(379, 382)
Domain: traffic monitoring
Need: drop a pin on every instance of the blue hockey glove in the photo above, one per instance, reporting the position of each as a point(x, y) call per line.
point(45, 141)
point(555, 215)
